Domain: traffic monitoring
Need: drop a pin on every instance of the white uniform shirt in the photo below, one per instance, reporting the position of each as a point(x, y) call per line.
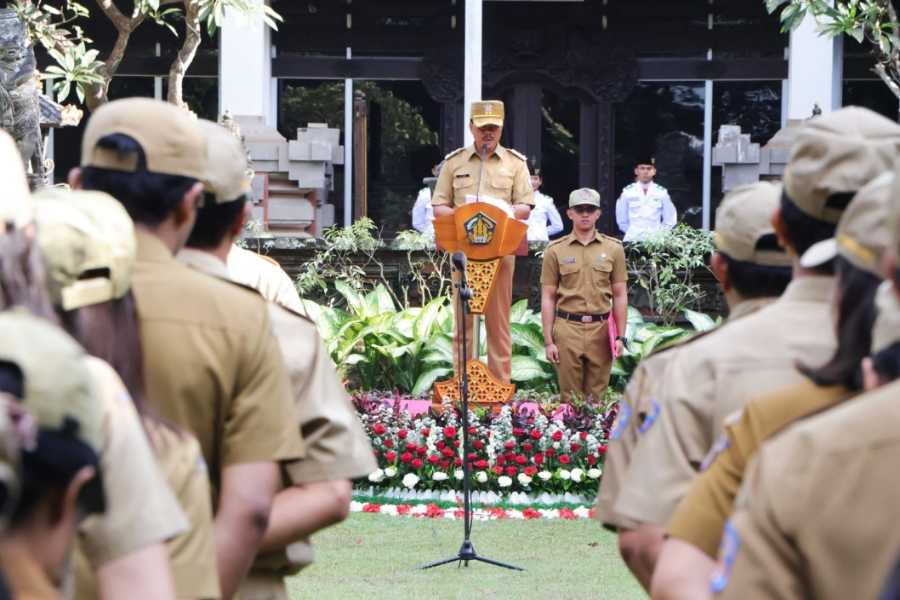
point(642, 210)
point(423, 212)
point(544, 210)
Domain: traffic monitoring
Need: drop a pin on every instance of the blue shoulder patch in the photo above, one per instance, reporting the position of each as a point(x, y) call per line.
point(722, 444)
point(728, 550)
point(622, 420)
point(650, 419)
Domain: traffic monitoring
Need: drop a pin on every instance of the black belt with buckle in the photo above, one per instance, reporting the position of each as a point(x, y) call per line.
point(582, 318)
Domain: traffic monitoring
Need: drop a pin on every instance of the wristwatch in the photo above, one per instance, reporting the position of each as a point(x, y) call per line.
point(620, 338)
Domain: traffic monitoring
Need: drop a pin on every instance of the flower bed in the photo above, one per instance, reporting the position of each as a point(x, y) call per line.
point(529, 448)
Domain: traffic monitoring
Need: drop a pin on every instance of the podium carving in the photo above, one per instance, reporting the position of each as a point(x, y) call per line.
point(485, 233)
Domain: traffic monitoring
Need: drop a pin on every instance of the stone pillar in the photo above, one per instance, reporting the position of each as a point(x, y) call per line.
point(815, 72)
point(245, 68)
point(472, 77)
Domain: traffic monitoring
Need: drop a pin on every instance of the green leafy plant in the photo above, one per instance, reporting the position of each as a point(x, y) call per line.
point(665, 266)
point(871, 21)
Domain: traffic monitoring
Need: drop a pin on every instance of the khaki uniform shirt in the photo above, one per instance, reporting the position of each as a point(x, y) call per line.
point(264, 275)
point(505, 178)
point(721, 372)
point(192, 555)
point(141, 509)
point(817, 515)
point(24, 575)
point(211, 362)
point(701, 516)
point(584, 273)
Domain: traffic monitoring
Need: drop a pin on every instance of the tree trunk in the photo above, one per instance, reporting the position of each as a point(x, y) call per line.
point(97, 95)
point(186, 54)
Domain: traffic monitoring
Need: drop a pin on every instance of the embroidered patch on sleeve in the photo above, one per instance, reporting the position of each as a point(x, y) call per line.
point(722, 444)
point(728, 550)
point(650, 419)
point(622, 420)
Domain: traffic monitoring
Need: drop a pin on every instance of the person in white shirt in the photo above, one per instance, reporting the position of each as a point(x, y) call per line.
point(644, 206)
point(422, 212)
point(544, 210)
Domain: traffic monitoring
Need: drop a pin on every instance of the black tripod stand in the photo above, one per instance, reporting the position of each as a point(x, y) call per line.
point(467, 550)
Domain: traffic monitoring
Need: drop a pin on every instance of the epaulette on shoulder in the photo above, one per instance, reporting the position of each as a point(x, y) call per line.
point(295, 313)
point(454, 153)
point(611, 238)
point(518, 154)
point(270, 260)
point(630, 185)
point(557, 241)
point(661, 187)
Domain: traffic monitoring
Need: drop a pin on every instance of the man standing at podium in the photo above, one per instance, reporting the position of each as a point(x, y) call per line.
point(487, 171)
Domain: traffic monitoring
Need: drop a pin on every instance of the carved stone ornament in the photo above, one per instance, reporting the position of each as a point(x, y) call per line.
point(20, 109)
point(442, 74)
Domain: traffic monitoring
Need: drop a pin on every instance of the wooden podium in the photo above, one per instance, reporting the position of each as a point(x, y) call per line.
point(485, 234)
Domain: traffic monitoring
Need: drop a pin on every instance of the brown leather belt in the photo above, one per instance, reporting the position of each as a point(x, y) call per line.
point(582, 318)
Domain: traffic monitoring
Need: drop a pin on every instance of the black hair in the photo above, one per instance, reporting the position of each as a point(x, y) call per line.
point(887, 362)
point(148, 197)
point(752, 280)
point(804, 231)
point(855, 319)
point(214, 220)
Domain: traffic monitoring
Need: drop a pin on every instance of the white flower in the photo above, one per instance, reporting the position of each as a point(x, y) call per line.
point(565, 474)
point(577, 475)
point(545, 475)
point(390, 471)
point(594, 473)
point(439, 476)
point(556, 445)
point(504, 481)
point(481, 477)
point(459, 474)
point(524, 479)
point(376, 476)
point(410, 480)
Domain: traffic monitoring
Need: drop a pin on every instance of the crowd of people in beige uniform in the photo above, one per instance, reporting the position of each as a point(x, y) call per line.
point(172, 425)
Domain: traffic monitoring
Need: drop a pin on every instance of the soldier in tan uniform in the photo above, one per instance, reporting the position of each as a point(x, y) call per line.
point(87, 241)
point(583, 281)
point(487, 171)
point(211, 362)
point(45, 371)
point(695, 529)
point(833, 157)
point(317, 489)
point(127, 542)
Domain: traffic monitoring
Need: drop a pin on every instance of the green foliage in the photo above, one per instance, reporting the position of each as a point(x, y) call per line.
point(665, 265)
point(346, 253)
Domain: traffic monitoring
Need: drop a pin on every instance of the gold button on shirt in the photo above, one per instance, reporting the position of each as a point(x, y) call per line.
point(584, 273)
point(505, 178)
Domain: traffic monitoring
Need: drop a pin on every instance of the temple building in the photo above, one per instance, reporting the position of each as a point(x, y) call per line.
point(589, 86)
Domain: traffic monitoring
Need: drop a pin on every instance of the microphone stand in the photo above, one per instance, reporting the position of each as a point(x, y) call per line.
point(467, 551)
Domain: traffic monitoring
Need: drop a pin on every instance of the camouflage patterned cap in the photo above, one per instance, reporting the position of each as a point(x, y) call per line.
point(58, 388)
point(863, 234)
point(584, 196)
point(834, 156)
point(487, 112)
point(743, 219)
point(87, 241)
point(15, 203)
point(227, 173)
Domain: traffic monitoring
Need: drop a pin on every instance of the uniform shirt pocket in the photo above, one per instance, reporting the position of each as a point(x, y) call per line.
point(602, 272)
point(463, 184)
point(502, 182)
point(568, 274)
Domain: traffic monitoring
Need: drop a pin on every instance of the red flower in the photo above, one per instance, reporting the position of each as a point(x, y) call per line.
point(410, 446)
point(521, 459)
point(518, 431)
point(371, 508)
point(511, 471)
point(509, 444)
point(602, 449)
point(445, 464)
point(575, 448)
point(501, 460)
point(375, 452)
point(441, 445)
point(457, 461)
point(481, 464)
point(478, 444)
point(450, 432)
point(390, 456)
point(421, 450)
point(498, 513)
point(405, 457)
point(402, 434)
point(530, 471)
point(530, 513)
point(456, 443)
point(472, 431)
point(434, 511)
point(416, 463)
point(527, 447)
point(557, 435)
point(583, 435)
point(591, 459)
point(567, 513)
point(389, 443)
point(379, 428)
point(550, 452)
point(434, 458)
point(498, 470)
point(472, 456)
point(448, 452)
point(426, 431)
point(538, 458)
point(535, 434)
point(403, 509)
point(564, 459)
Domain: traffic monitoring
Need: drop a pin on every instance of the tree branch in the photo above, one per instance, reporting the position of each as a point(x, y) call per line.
point(192, 39)
point(99, 94)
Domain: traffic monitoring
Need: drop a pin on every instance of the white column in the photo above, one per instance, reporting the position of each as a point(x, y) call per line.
point(815, 72)
point(472, 83)
point(348, 148)
point(707, 152)
point(245, 67)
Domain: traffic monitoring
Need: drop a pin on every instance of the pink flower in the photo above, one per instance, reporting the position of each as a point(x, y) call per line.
point(450, 432)
point(564, 459)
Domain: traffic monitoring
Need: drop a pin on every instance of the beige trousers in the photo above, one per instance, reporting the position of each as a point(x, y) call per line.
point(584, 359)
point(496, 317)
point(262, 587)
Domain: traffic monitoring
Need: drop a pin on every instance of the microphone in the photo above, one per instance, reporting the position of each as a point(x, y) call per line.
point(459, 263)
point(483, 155)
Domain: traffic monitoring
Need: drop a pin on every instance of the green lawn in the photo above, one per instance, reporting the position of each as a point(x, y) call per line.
point(375, 556)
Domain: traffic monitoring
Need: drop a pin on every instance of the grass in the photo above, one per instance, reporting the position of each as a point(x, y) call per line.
point(375, 557)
